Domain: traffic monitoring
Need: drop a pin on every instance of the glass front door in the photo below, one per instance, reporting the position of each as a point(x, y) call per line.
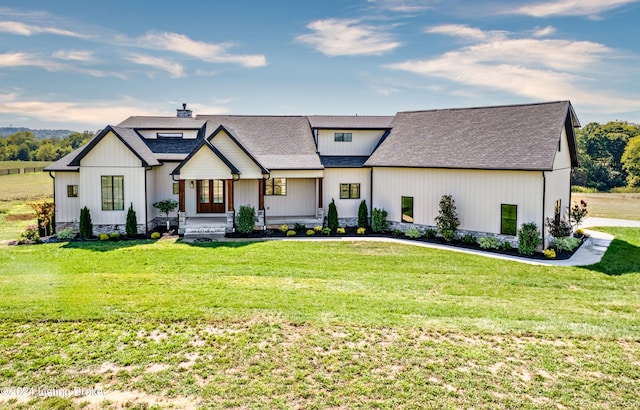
point(210, 195)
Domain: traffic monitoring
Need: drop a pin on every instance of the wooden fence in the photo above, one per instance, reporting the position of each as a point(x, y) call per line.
point(25, 170)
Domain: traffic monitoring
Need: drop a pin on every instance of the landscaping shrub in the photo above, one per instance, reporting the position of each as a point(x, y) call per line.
point(114, 236)
point(30, 235)
point(155, 235)
point(568, 243)
point(379, 220)
point(489, 242)
point(430, 233)
point(131, 226)
point(326, 230)
point(300, 227)
point(45, 213)
point(66, 234)
point(318, 228)
point(103, 237)
point(361, 231)
point(550, 253)
point(86, 227)
point(528, 238)
point(166, 206)
point(413, 233)
point(363, 215)
point(507, 246)
point(396, 232)
point(246, 219)
point(447, 220)
point(558, 228)
point(468, 239)
point(578, 212)
point(341, 231)
point(284, 228)
point(311, 232)
point(291, 232)
point(332, 216)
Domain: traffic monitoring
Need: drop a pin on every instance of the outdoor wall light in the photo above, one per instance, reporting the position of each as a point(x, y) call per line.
point(191, 184)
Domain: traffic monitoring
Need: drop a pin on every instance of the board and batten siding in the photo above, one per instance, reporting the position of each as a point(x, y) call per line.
point(160, 188)
point(227, 147)
point(245, 192)
point(111, 157)
point(67, 209)
point(333, 177)
point(363, 142)
point(478, 195)
point(301, 199)
point(205, 165)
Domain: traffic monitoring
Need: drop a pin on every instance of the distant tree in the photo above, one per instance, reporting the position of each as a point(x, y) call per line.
point(46, 152)
point(631, 162)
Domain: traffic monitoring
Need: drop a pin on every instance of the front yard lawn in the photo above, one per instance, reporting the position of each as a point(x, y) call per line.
point(316, 325)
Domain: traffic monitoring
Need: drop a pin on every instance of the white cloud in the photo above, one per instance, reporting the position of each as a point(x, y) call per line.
point(341, 37)
point(74, 55)
point(403, 6)
point(27, 60)
point(22, 29)
point(570, 7)
point(210, 52)
point(466, 32)
point(174, 69)
point(544, 31)
point(540, 69)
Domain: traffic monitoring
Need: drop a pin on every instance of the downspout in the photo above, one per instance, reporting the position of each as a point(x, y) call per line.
point(54, 201)
point(544, 201)
point(370, 193)
point(146, 209)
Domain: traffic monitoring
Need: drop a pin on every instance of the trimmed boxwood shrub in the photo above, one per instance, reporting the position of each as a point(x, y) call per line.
point(528, 238)
point(363, 215)
point(332, 216)
point(155, 235)
point(131, 227)
point(86, 227)
point(379, 220)
point(246, 219)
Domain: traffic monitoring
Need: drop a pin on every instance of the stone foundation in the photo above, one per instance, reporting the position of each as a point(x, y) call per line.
point(403, 226)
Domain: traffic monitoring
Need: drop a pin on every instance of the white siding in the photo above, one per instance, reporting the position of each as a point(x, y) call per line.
point(314, 173)
point(478, 194)
point(245, 193)
point(333, 177)
point(363, 142)
point(160, 188)
point(301, 199)
point(563, 158)
point(90, 193)
point(205, 165)
point(110, 152)
point(248, 169)
point(152, 134)
point(67, 209)
point(557, 188)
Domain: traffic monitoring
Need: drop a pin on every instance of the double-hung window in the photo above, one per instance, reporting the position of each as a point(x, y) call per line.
point(275, 186)
point(112, 192)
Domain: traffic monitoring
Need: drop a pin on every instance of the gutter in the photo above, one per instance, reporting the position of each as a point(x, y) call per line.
point(544, 201)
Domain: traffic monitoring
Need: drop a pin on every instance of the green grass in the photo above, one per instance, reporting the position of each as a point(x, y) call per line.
point(316, 325)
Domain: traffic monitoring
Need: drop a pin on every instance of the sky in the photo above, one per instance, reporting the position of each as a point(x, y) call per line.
point(83, 65)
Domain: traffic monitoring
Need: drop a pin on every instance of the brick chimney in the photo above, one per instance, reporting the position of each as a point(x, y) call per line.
point(183, 113)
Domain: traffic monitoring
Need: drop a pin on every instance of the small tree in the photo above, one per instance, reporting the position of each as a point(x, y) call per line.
point(246, 219)
point(45, 212)
point(379, 220)
point(363, 215)
point(132, 222)
point(166, 206)
point(86, 227)
point(578, 212)
point(332, 216)
point(447, 220)
point(558, 227)
point(528, 238)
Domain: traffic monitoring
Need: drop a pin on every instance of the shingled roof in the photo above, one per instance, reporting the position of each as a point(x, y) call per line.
point(344, 122)
point(516, 137)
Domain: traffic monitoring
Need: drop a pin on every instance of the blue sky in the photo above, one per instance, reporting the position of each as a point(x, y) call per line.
point(82, 65)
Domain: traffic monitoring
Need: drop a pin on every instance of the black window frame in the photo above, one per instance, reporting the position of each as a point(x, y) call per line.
point(351, 189)
point(112, 202)
point(508, 224)
point(275, 187)
point(169, 135)
point(407, 217)
point(72, 191)
point(342, 136)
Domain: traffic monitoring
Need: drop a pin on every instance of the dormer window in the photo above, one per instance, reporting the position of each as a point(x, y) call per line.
point(171, 135)
point(342, 137)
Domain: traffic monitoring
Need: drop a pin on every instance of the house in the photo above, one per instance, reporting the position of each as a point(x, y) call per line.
point(503, 165)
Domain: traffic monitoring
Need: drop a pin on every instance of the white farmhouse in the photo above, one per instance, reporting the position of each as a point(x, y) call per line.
point(503, 165)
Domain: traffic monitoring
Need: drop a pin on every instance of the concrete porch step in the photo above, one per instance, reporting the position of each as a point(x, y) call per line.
point(204, 230)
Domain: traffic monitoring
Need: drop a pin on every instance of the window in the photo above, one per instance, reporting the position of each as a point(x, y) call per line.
point(169, 135)
point(342, 136)
point(275, 186)
point(508, 219)
point(203, 195)
point(349, 191)
point(218, 191)
point(176, 188)
point(72, 191)
point(112, 193)
point(407, 209)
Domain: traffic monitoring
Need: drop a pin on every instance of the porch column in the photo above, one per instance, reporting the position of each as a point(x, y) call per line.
point(230, 195)
point(261, 194)
point(181, 195)
point(320, 193)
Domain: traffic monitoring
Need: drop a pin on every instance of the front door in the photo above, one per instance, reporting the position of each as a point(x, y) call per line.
point(210, 195)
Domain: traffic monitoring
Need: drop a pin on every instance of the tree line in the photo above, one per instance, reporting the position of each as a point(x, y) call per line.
point(608, 155)
point(24, 146)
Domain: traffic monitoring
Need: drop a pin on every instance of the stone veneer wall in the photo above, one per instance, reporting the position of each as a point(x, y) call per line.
point(402, 226)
